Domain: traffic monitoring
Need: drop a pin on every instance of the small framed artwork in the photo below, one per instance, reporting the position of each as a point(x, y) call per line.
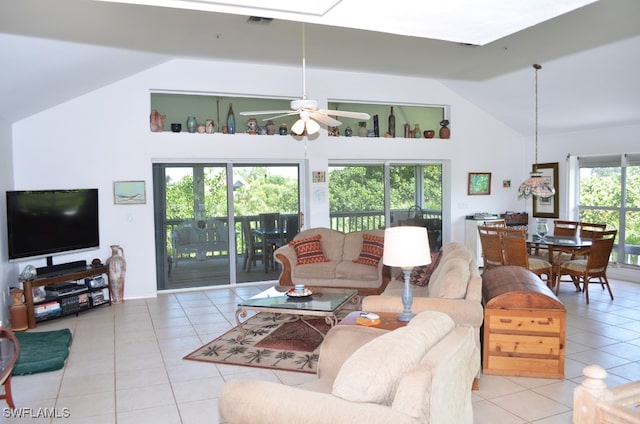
point(547, 207)
point(506, 183)
point(129, 193)
point(479, 183)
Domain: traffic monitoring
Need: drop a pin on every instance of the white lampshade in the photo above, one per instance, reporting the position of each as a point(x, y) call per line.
point(406, 247)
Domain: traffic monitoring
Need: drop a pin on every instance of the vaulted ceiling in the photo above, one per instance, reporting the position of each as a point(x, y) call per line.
point(55, 51)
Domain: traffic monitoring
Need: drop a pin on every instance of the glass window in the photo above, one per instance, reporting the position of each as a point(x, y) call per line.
point(608, 193)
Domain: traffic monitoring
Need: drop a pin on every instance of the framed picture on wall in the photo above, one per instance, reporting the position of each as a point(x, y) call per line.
point(479, 183)
point(547, 207)
point(129, 193)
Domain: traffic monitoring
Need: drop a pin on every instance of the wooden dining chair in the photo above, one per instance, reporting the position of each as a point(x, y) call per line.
point(516, 252)
point(495, 223)
point(491, 246)
point(292, 227)
point(565, 228)
point(253, 247)
point(583, 271)
point(10, 350)
point(272, 237)
point(588, 230)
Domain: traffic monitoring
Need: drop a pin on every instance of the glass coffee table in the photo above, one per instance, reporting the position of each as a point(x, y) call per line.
point(323, 302)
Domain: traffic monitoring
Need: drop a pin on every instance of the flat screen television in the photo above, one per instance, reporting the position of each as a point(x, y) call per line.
point(42, 223)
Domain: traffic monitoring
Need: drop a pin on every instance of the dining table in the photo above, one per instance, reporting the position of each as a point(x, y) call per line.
point(557, 245)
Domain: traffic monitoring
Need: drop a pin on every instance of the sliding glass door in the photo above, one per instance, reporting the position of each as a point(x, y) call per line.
point(266, 209)
point(203, 212)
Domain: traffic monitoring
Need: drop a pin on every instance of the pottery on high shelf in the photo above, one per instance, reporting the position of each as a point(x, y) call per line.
point(445, 132)
point(231, 120)
point(252, 126)
point(209, 126)
point(392, 124)
point(283, 129)
point(192, 124)
point(416, 131)
point(176, 127)
point(271, 127)
point(429, 133)
point(362, 129)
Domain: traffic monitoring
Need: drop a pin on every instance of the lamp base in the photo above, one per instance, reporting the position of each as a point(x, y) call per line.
point(407, 297)
point(404, 317)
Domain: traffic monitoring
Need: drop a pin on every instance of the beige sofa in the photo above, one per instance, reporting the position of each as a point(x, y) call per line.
point(421, 373)
point(455, 287)
point(340, 272)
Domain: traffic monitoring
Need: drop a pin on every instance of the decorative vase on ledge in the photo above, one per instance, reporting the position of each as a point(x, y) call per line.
point(445, 132)
point(192, 124)
point(117, 266)
point(231, 120)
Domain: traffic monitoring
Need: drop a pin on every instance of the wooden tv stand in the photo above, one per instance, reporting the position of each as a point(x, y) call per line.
point(70, 275)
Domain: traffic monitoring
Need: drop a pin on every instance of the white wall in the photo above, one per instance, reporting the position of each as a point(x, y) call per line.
point(8, 272)
point(104, 136)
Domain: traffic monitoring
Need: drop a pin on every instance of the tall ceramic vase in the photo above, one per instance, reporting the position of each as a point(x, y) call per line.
point(117, 269)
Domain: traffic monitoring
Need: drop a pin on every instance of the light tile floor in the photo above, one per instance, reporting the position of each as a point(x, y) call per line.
point(126, 364)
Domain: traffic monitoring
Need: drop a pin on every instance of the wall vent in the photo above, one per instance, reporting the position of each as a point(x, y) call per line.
point(259, 20)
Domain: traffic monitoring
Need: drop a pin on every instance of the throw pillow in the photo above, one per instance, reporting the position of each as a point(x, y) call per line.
point(420, 275)
point(309, 250)
point(372, 373)
point(372, 250)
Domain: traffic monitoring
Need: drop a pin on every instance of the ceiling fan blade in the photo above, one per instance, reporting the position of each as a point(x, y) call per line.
point(324, 119)
point(289, 113)
point(263, 112)
point(346, 114)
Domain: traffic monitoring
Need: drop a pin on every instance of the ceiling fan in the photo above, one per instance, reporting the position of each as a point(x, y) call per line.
point(310, 115)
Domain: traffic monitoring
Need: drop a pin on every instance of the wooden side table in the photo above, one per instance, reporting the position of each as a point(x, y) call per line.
point(388, 320)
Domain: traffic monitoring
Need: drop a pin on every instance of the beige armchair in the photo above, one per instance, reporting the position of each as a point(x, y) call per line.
point(421, 373)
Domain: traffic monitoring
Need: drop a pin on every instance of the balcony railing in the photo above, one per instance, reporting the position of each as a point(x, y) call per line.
point(341, 221)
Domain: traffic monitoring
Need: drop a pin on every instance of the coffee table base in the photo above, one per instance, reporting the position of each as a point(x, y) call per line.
point(330, 318)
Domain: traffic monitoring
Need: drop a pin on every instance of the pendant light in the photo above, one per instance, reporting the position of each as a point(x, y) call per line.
point(536, 184)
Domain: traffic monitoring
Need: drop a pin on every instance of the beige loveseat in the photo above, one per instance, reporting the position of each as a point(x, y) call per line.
point(341, 249)
point(421, 373)
point(455, 287)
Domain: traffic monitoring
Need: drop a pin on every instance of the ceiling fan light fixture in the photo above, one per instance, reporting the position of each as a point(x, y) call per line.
point(305, 126)
point(298, 127)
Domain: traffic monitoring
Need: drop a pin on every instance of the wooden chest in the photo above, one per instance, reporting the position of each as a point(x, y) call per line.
point(524, 325)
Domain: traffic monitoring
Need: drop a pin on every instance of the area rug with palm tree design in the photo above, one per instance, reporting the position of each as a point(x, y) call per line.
point(268, 340)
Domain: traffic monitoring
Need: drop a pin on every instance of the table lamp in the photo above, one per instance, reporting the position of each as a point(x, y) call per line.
point(406, 247)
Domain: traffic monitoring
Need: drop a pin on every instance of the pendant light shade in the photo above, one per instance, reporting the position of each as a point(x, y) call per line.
point(536, 185)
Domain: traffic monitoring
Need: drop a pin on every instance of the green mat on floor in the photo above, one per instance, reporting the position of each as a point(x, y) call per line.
point(42, 351)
